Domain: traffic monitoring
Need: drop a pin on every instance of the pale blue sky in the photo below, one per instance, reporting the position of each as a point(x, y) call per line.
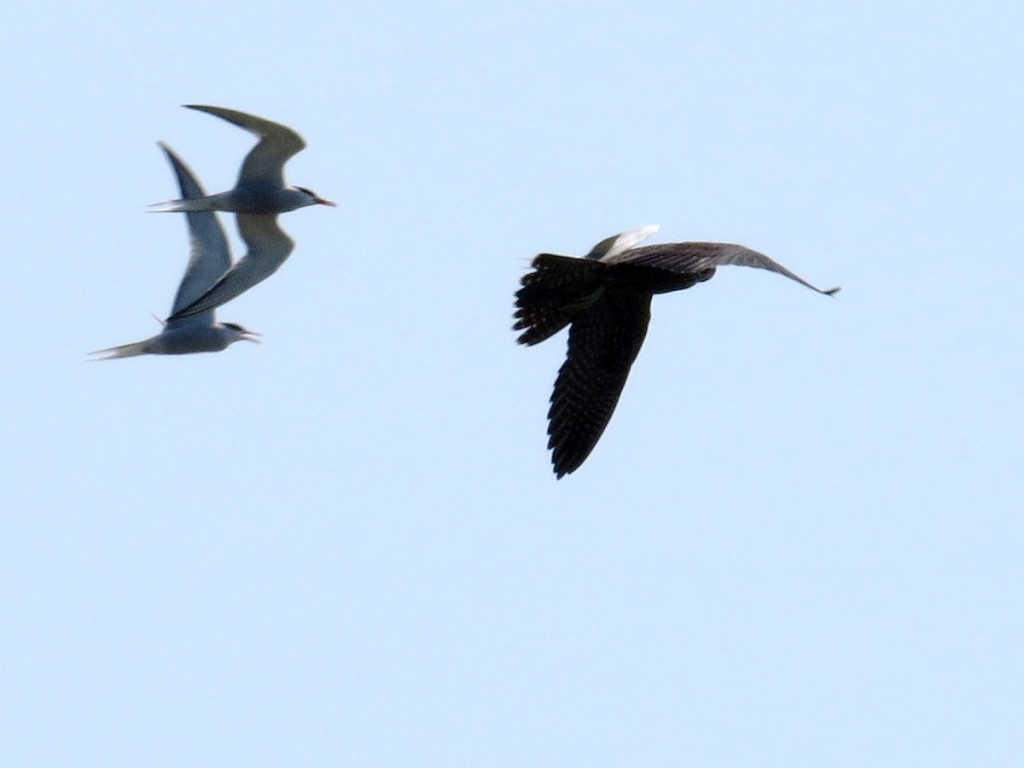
point(799, 543)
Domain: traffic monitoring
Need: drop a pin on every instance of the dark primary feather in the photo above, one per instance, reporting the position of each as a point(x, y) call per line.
point(604, 340)
point(688, 258)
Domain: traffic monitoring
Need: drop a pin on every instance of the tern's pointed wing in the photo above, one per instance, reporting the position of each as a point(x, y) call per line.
point(620, 243)
point(210, 255)
point(268, 245)
point(603, 343)
point(265, 162)
point(694, 257)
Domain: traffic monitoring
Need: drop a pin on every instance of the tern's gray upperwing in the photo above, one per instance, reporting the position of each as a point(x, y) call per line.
point(268, 247)
point(278, 143)
point(209, 253)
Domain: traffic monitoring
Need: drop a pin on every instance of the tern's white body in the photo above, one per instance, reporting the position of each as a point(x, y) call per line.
point(605, 298)
point(259, 196)
point(210, 258)
point(181, 341)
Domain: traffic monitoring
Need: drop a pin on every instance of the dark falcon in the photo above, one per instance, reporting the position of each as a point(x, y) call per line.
point(605, 299)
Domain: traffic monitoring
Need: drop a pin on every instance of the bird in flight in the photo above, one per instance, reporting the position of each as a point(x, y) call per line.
point(605, 299)
point(209, 258)
point(258, 197)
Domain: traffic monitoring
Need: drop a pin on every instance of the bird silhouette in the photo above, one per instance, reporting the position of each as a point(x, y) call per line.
point(605, 299)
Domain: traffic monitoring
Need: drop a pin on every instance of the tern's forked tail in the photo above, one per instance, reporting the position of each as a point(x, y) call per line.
point(124, 350)
point(192, 204)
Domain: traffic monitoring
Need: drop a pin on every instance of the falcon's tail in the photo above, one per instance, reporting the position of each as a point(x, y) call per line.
point(553, 293)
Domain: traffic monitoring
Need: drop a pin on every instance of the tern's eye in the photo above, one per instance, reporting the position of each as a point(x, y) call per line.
point(307, 190)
